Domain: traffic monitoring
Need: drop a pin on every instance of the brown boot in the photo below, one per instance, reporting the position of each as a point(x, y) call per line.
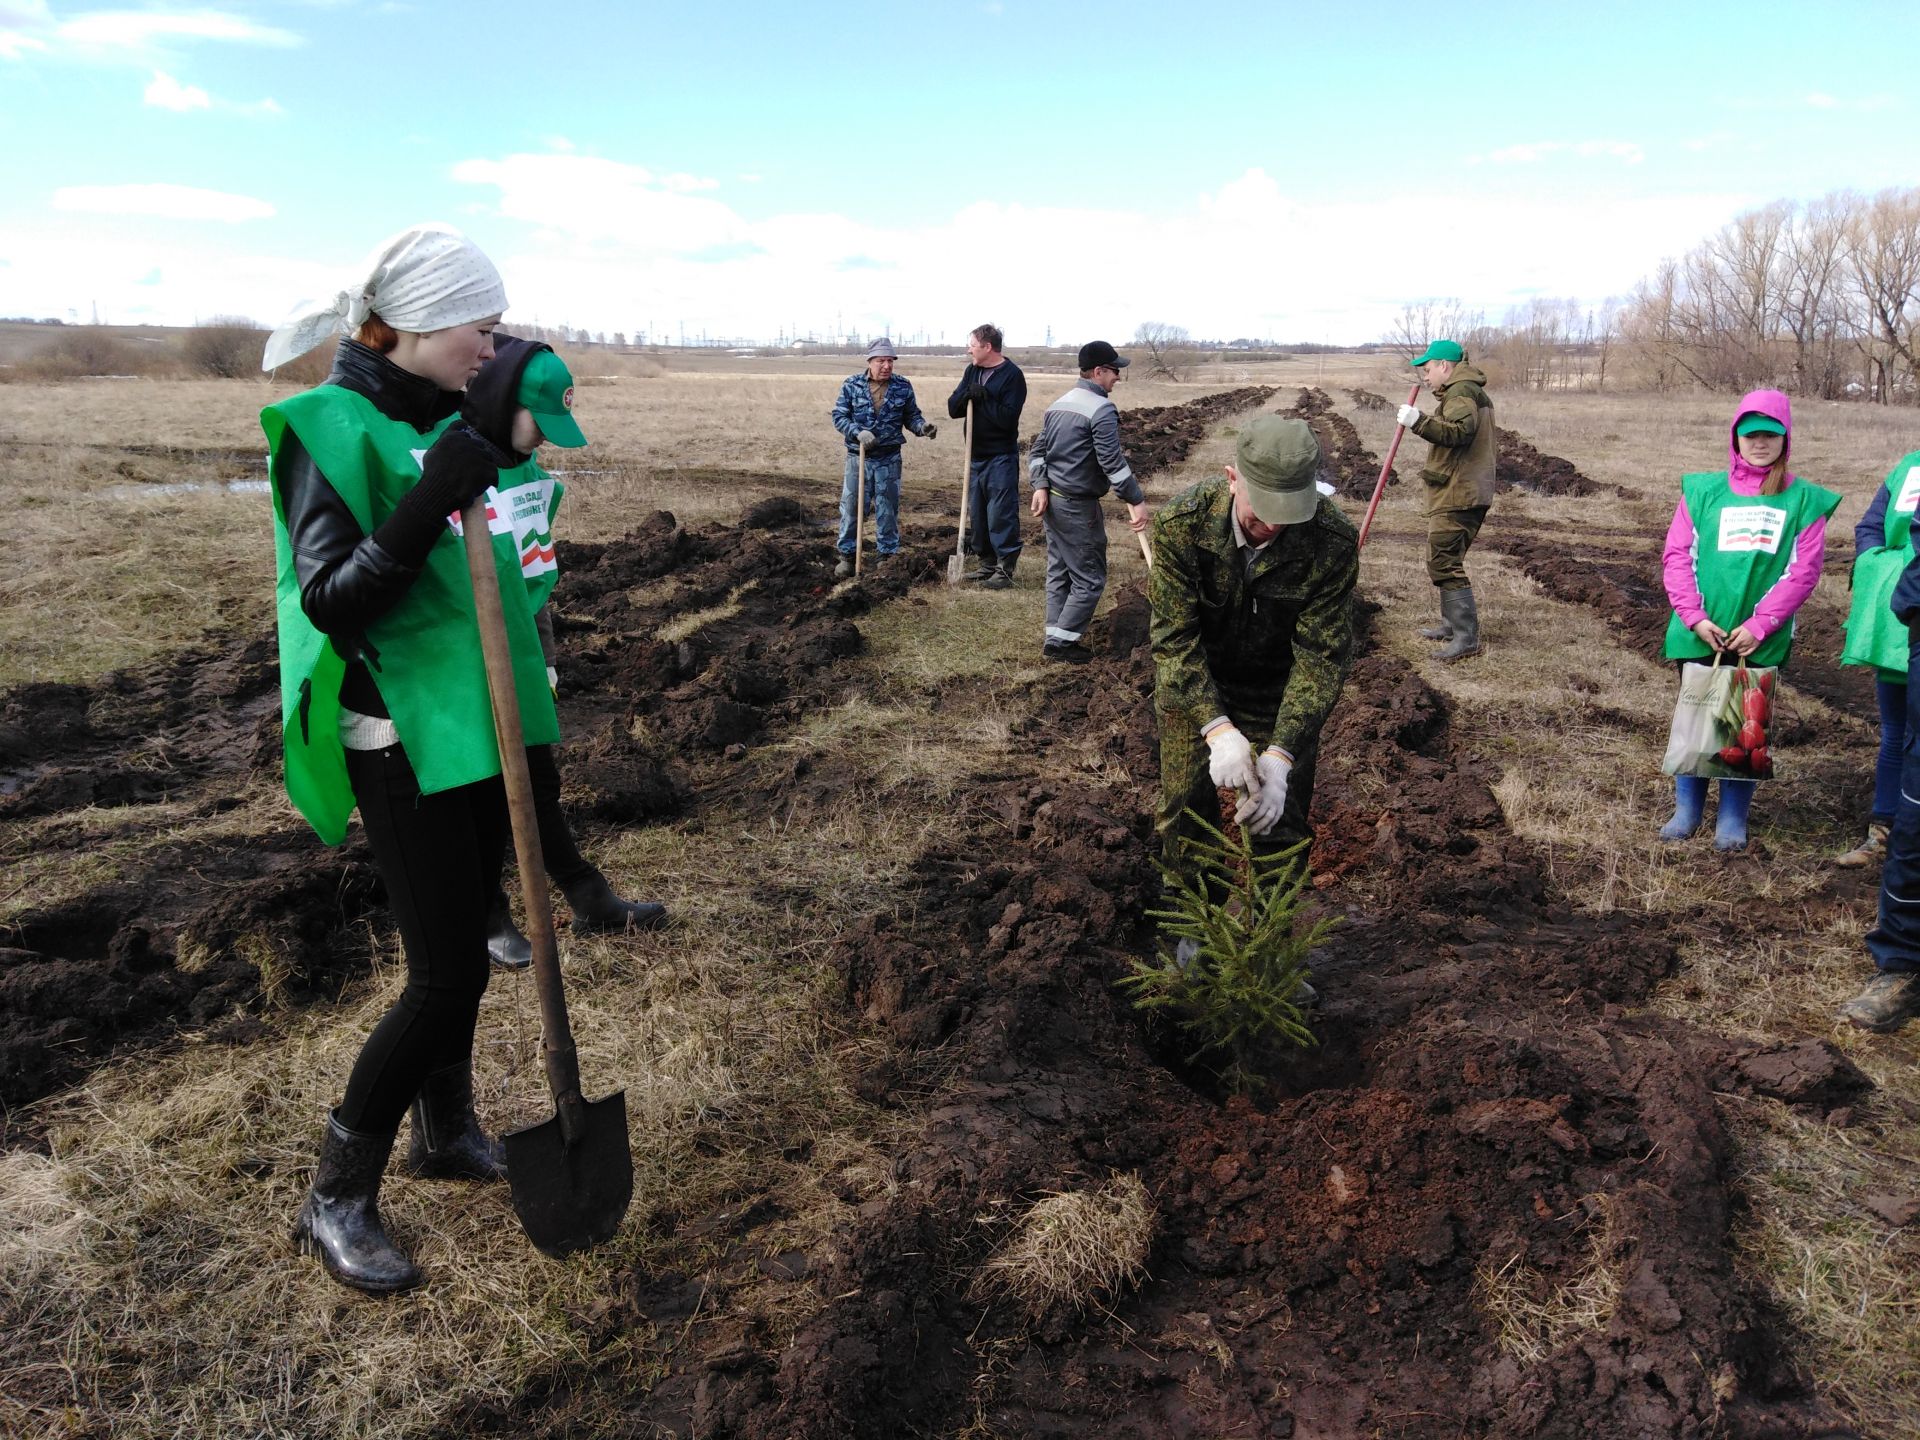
point(1869, 851)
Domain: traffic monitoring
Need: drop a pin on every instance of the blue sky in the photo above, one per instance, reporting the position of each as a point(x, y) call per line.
point(1298, 170)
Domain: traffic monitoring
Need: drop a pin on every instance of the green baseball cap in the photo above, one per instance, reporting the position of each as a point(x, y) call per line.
point(1278, 460)
point(546, 388)
point(1754, 421)
point(1441, 350)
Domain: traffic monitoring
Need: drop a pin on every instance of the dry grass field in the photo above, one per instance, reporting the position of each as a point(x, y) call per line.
point(145, 1282)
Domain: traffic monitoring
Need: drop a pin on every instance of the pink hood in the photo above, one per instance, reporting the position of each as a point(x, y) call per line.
point(1773, 404)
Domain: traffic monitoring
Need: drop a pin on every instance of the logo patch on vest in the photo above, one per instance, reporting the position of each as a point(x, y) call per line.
point(1909, 496)
point(1752, 527)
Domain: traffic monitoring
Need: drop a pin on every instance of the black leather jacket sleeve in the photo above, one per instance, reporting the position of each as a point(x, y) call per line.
point(347, 578)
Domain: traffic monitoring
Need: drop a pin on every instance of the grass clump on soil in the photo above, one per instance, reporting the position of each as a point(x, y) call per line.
point(1239, 992)
point(1533, 1318)
point(1073, 1248)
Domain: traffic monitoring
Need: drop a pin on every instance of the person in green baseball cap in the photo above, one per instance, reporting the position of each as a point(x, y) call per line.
point(1251, 591)
point(1458, 475)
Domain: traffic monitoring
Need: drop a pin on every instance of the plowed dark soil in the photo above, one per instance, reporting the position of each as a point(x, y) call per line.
point(1352, 468)
point(1521, 465)
point(1481, 1129)
point(1161, 436)
point(1479, 1115)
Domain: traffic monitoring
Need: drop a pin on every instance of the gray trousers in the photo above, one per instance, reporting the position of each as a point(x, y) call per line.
point(1076, 563)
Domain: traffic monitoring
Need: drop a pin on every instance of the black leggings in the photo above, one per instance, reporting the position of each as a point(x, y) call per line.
point(438, 856)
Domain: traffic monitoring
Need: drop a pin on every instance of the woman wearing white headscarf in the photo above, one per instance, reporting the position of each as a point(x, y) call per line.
point(384, 698)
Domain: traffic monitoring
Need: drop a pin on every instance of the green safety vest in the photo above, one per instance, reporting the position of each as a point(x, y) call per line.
point(529, 498)
point(424, 654)
point(1874, 635)
point(1742, 545)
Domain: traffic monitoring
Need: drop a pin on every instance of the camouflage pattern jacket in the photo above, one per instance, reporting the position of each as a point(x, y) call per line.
point(899, 411)
point(1267, 644)
point(1460, 451)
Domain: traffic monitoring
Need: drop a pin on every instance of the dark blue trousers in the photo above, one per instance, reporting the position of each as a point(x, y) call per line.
point(1894, 943)
point(993, 508)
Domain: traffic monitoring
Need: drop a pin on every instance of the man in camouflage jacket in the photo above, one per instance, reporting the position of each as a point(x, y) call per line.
point(1252, 635)
point(1459, 480)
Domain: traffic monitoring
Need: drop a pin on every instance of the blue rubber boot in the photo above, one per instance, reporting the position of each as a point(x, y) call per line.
point(1689, 799)
point(1730, 830)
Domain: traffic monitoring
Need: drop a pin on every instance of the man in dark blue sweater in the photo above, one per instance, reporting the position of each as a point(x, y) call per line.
point(999, 392)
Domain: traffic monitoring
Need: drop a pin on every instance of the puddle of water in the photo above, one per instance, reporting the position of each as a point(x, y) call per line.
point(185, 487)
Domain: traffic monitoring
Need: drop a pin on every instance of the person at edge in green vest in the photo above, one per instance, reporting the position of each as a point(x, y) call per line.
point(521, 397)
point(1742, 555)
point(1882, 549)
point(384, 697)
point(1458, 474)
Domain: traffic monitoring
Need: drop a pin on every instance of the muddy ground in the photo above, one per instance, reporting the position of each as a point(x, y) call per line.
point(1483, 1117)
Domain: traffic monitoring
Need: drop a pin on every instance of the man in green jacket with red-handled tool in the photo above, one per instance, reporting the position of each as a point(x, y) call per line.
point(1459, 478)
point(1252, 596)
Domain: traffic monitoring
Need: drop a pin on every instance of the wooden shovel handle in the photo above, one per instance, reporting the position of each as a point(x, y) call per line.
point(860, 510)
point(1386, 469)
point(560, 1058)
point(966, 481)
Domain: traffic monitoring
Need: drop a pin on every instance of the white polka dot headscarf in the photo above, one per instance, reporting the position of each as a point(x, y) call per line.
point(427, 278)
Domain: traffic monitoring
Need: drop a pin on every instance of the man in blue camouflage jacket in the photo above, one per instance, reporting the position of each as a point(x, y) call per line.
point(875, 407)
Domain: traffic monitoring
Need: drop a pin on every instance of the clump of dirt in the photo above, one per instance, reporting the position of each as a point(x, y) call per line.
point(1520, 465)
point(1352, 468)
point(1488, 1202)
point(1367, 400)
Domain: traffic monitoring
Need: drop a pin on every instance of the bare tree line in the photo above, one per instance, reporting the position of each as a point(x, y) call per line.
point(1821, 297)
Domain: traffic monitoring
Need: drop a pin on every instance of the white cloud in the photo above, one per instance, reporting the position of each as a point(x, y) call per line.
point(167, 202)
point(139, 29)
point(1623, 150)
point(1863, 104)
point(610, 245)
point(166, 93)
point(19, 20)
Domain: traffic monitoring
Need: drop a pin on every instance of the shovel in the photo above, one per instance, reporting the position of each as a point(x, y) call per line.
point(955, 562)
point(1386, 469)
point(860, 511)
point(571, 1176)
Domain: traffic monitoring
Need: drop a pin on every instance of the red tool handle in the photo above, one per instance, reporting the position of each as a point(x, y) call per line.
point(1380, 485)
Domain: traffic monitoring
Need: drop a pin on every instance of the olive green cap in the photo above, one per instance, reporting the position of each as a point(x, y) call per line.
point(1441, 350)
point(1278, 460)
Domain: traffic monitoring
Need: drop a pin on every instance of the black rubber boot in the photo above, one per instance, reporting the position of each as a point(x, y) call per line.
point(340, 1221)
point(448, 1143)
point(985, 568)
point(506, 946)
point(1442, 631)
point(1002, 578)
point(596, 908)
point(1458, 610)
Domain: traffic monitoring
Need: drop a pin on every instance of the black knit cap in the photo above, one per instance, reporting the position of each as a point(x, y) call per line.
point(1099, 352)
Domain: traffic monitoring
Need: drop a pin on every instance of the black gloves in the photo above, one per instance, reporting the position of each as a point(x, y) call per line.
point(455, 473)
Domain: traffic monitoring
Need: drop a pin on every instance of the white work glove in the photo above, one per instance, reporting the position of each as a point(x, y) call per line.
point(866, 437)
point(1231, 763)
point(1261, 810)
point(1409, 415)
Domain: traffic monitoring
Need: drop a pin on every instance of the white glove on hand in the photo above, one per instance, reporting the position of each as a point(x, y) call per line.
point(1408, 415)
point(866, 437)
point(1261, 811)
point(1231, 763)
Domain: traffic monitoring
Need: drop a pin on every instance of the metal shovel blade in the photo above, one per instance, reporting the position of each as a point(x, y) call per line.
point(572, 1196)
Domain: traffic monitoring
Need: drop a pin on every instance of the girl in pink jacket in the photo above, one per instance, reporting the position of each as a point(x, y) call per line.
point(1742, 555)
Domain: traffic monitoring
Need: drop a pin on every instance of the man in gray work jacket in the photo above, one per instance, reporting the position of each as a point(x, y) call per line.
point(1074, 462)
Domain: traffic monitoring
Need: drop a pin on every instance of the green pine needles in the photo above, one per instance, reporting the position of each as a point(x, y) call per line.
point(1239, 994)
